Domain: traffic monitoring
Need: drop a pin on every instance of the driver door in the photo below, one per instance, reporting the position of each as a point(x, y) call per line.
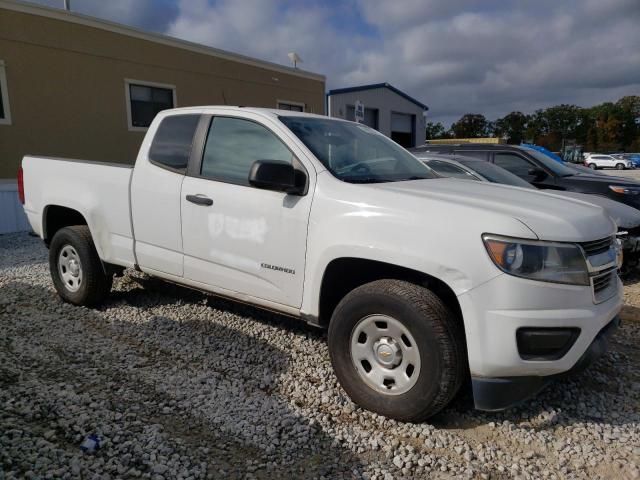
point(238, 239)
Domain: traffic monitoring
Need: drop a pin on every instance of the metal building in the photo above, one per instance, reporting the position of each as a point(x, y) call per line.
point(387, 109)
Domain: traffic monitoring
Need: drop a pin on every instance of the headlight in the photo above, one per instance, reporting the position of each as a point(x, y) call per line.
point(536, 260)
point(625, 190)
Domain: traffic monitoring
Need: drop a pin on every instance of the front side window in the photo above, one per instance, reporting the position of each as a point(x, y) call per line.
point(514, 164)
point(5, 116)
point(171, 145)
point(145, 101)
point(355, 153)
point(234, 144)
point(549, 163)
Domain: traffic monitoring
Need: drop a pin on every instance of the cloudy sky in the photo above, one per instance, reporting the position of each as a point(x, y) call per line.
point(457, 56)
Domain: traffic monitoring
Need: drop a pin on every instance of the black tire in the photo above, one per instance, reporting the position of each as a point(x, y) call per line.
point(619, 166)
point(593, 166)
point(95, 284)
point(437, 334)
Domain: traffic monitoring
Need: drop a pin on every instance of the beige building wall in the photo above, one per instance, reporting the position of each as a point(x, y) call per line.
point(66, 84)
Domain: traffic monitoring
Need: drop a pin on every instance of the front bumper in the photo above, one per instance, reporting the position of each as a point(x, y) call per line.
point(493, 394)
point(497, 310)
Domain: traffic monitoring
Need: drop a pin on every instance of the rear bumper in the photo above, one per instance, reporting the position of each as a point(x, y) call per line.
point(492, 394)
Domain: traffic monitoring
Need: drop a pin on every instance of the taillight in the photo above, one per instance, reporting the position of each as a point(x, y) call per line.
point(21, 186)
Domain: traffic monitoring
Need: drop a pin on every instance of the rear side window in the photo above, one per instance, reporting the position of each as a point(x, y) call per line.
point(472, 153)
point(171, 145)
point(233, 144)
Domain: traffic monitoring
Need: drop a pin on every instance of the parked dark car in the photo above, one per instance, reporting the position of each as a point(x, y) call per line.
point(543, 172)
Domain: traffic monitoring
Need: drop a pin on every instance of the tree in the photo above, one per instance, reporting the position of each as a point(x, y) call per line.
point(470, 125)
point(512, 127)
point(436, 130)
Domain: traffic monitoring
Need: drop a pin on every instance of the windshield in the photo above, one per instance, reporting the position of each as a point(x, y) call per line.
point(495, 174)
point(549, 163)
point(356, 153)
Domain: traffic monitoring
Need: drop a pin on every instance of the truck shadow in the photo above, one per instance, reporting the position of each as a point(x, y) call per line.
point(181, 387)
point(570, 396)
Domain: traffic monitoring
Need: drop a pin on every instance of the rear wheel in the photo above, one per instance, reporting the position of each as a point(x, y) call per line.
point(397, 350)
point(76, 269)
point(619, 166)
point(593, 166)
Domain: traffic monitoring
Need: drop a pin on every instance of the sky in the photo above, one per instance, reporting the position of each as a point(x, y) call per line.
point(457, 56)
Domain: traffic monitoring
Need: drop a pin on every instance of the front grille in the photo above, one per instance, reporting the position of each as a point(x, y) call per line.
point(596, 246)
point(604, 285)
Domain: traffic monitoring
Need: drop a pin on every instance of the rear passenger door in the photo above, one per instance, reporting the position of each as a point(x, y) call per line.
point(240, 240)
point(155, 194)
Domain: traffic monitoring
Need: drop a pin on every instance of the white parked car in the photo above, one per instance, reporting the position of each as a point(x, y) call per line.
point(421, 281)
point(598, 160)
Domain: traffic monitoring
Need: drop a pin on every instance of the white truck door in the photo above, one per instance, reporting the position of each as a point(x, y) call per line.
point(238, 238)
point(155, 194)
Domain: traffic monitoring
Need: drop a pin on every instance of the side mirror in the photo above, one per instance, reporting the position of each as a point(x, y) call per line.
point(537, 173)
point(278, 176)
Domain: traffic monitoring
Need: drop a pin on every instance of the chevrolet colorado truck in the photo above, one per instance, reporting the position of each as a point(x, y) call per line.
point(423, 282)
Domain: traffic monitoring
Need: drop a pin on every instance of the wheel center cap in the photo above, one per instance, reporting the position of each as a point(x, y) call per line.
point(74, 268)
point(388, 352)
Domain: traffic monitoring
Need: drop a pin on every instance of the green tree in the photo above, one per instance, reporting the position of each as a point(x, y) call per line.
point(436, 130)
point(512, 127)
point(470, 125)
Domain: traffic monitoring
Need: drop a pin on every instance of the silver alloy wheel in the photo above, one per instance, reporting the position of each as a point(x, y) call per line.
point(70, 268)
point(385, 354)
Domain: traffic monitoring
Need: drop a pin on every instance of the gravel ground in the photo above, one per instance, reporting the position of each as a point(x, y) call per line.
point(177, 384)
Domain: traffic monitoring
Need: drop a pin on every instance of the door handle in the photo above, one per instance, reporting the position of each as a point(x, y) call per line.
point(200, 200)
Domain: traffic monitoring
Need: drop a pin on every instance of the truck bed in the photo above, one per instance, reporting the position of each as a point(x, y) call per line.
point(98, 190)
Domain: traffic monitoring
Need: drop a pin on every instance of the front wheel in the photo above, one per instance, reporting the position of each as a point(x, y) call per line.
point(619, 166)
point(593, 166)
point(76, 269)
point(397, 350)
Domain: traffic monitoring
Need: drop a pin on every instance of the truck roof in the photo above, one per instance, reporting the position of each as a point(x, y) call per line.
point(270, 112)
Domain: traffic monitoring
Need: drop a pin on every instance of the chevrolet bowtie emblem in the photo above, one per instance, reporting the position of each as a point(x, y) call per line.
point(385, 354)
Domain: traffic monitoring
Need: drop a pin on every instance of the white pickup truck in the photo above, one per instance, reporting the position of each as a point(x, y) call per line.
point(422, 281)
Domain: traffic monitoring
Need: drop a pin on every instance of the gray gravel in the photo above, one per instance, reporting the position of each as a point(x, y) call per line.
point(177, 384)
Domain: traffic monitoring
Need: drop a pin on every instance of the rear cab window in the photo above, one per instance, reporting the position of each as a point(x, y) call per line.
point(171, 146)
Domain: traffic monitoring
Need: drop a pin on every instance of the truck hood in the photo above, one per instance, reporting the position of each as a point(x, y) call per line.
point(601, 178)
point(549, 217)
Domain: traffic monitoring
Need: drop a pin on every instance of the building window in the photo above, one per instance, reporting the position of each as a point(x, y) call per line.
point(5, 114)
point(145, 100)
point(291, 106)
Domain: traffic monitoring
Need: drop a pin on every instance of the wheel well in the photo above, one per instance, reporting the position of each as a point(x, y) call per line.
point(57, 217)
point(344, 274)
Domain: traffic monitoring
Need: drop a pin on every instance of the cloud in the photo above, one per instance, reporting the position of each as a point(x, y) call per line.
point(457, 56)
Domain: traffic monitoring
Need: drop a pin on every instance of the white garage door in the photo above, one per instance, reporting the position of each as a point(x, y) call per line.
point(401, 122)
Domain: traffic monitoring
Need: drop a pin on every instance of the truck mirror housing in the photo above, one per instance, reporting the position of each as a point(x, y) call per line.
point(278, 176)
